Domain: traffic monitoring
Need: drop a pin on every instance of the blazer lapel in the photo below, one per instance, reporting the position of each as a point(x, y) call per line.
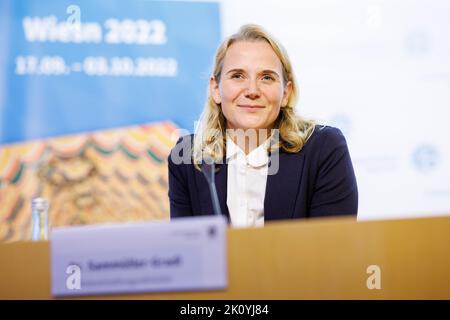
point(282, 186)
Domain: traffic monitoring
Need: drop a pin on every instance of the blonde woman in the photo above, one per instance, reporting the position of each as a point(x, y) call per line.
point(271, 164)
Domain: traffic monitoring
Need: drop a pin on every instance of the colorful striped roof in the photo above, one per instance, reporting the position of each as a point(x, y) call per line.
point(108, 176)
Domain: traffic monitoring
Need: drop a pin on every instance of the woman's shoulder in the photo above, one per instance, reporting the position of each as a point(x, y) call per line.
point(181, 153)
point(185, 141)
point(324, 136)
point(322, 131)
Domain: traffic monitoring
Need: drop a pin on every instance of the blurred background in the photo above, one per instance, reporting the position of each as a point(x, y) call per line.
point(93, 94)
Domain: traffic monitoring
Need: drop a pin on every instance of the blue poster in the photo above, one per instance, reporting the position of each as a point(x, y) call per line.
point(76, 66)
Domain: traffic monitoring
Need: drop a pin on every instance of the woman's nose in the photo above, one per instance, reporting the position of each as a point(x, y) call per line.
point(252, 90)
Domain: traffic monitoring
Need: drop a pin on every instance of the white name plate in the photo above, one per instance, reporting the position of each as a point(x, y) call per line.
point(182, 255)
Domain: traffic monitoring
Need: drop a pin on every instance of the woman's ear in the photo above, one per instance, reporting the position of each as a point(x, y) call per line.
point(214, 90)
point(286, 94)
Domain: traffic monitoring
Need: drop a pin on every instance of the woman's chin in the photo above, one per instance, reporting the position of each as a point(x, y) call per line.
point(251, 127)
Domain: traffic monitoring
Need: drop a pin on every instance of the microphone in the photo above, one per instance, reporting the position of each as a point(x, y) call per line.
point(208, 169)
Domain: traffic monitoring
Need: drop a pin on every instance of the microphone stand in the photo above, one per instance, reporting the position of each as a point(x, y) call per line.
point(208, 169)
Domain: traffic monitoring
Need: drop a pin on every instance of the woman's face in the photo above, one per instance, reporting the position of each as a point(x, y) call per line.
point(251, 89)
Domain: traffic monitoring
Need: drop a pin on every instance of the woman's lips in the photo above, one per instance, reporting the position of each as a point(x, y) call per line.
point(251, 108)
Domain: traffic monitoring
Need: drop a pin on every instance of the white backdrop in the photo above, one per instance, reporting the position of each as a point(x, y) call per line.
point(380, 71)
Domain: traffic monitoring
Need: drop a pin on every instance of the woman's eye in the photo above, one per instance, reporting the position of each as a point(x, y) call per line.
point(268, 77)
point(237, 76)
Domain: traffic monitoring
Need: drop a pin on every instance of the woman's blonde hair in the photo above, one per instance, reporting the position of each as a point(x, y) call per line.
point(210, 137)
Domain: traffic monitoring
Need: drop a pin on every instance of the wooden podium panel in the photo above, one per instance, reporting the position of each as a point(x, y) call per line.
point(304, 259)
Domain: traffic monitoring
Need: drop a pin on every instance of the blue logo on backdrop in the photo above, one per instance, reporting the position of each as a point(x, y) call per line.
point(417, 43)
point(425, 157)
point(102, 64)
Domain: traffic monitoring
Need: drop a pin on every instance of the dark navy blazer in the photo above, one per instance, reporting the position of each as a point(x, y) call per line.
point(317, 181)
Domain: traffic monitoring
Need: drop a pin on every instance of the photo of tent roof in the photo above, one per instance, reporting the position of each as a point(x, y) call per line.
point(110, 176)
